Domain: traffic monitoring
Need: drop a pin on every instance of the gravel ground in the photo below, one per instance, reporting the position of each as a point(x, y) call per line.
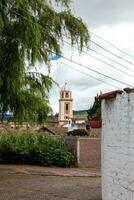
point(36, 187)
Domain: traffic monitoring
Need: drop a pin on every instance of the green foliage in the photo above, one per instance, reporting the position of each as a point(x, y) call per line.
point(78, 132)
point(80, 112)
point(1, 23)
point(35, 149)
point(30, 30)
point(95, 111)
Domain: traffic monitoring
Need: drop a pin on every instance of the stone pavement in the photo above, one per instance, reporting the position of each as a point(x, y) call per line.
point(50, 171)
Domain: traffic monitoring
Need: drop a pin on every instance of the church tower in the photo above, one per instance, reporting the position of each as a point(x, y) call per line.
point(65, 105)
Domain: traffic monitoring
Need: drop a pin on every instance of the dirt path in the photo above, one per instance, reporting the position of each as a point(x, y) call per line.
point(35, 187)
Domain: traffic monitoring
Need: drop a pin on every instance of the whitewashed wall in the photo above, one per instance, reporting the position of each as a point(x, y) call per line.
point(118, 147)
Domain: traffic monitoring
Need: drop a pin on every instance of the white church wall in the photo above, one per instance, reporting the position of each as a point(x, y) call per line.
point(118, 147)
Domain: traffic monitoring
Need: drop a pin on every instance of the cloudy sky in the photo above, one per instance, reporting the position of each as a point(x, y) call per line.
point(114, 21)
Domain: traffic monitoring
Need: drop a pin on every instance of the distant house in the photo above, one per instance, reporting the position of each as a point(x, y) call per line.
point(6, 116)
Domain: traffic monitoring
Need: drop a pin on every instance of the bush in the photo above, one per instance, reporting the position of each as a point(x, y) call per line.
point(78, 132)
point(35, 149)
point(95, 111)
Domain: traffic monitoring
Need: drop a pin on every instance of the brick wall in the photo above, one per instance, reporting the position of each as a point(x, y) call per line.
point(71, 144)
point(87, 150)
point(118, 147)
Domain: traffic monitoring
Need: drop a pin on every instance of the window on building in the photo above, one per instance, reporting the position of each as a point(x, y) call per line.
point(62, 95)
point(66, 108)
point(67, 94)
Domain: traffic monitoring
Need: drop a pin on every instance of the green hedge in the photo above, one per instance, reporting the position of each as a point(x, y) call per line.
point(35, 149)
point(78, 132)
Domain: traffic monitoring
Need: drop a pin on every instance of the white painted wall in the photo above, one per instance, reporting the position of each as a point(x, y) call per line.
point(61, 110)
point(118, 147)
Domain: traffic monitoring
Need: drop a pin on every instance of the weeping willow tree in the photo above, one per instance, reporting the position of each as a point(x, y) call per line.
point(30, 30)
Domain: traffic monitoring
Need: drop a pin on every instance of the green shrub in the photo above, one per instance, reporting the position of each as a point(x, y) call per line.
point(78, 132)
point(35, 149)
point(95, 111)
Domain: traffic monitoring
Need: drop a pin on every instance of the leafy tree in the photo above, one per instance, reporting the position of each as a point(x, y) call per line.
point(95, 111)
point(30, 31)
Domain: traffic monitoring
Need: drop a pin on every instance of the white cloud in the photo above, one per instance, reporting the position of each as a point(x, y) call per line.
point(114, 29)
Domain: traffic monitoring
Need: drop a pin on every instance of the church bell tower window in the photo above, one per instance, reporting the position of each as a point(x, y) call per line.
point(62, 95)
point(66, 108)
point(67, 94)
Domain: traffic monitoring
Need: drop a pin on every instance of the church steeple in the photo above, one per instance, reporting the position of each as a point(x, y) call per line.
point(65, 105)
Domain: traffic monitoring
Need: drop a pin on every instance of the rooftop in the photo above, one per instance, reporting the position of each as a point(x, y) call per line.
point(113, 94)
